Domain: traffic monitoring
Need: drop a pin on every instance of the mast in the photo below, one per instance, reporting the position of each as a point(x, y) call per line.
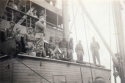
point(65, 19)
point(121, 41)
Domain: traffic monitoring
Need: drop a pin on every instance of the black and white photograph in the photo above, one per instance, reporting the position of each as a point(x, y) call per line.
point(62, 41)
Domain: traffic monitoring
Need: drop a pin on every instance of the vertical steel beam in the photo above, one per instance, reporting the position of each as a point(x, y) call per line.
point(65, 19)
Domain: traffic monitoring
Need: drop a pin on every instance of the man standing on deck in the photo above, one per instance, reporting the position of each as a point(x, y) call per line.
point(39, 30)
point(70, 49)
point(63, 45)
point(94, 48)
point(80, 52)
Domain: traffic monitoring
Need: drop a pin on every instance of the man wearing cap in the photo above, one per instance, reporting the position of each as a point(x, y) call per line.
point(11, 4)
point(42, 15)
point(94, 47)
point(33, 13)
point(51, 47)
point(63, 45)
point(39, 30)
point(79, 51)
point(30, 39)
point(70, 49)
point(10, 32)
point(18, 36)
point(57, 52)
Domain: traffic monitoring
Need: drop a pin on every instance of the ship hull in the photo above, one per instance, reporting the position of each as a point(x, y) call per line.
point(55, 71)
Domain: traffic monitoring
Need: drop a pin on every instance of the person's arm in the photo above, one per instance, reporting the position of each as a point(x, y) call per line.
point(98, 45)
point(76, 48)
point(40, 25)
point(82, 49)
point(91, 47)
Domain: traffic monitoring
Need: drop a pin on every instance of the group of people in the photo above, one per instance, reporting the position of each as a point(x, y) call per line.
point(18, 5)
point(33, 44)
point(94, 47)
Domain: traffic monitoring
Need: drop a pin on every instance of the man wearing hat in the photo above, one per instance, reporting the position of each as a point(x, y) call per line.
point(94, 47)
point(33, 13)
point(30, 39)
point(10, 32)
point(63, 45)
point(80, 52)
point(39, 30)
point(51, 47)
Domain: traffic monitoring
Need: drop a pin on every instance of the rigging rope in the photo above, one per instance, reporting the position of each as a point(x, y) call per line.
point(74, 16)
point(74, 19)
point(89, 42)
point(109, 33)
point(87, 45)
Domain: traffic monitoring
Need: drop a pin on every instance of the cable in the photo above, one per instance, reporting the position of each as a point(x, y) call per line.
point(115, 28)
point(31, 69)
point(109, 32)
point(73, 15)
point(87, 46)
point(74, 19)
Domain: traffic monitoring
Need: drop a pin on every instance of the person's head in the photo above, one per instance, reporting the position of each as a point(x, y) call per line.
point(10, 3)
point(64, 39)
point(42, 12)
point(71, 39)
point(51, 39)
point(80, 41)
point(18, 30)
point(93, 38)
point(12, 24)
point(42, 20)
point(30, 30)
point(34, 11)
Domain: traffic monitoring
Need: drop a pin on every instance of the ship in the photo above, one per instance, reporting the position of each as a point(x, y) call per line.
point(24, 68)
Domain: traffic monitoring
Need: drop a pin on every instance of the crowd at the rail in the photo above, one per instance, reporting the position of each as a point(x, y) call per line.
point(33, 44)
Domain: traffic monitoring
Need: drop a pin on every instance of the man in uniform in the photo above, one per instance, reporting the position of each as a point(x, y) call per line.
point(39, 30)
point(70, 49)
point(51, 48)
point(94, 47)
point(80, 52)
point(63, 45)
point(10, 32)
point(57, 52)
point(30, 39)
